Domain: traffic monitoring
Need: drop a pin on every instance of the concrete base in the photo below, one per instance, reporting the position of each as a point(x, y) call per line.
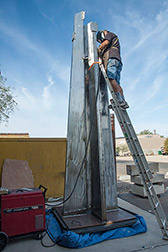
point(157, 178)
point(133, 170)
point(140, 190)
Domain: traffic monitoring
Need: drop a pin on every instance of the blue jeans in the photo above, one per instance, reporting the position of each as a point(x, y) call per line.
point(114, 67)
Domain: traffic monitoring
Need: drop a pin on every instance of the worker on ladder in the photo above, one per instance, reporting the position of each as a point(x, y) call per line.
point(109, 51)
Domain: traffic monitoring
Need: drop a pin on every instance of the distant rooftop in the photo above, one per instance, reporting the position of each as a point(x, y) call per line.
point(14, 135)
point(144, 136)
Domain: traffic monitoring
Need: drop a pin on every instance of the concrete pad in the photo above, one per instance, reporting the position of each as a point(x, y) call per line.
point(133, 170)
point(157, 178)
point(124, 178)
point(140, 190)
point(151, 240)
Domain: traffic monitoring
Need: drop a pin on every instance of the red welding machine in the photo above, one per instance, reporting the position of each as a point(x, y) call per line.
point(23, 212)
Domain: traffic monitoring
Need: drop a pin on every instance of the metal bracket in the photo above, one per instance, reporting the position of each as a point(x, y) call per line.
point(85, 58)
point(83, 15)
point(73, 36)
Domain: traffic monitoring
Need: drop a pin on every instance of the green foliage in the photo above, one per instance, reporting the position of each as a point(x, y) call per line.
point(146, 132)
point(166, 145)
point(117, 149)
point(7, 102)
point(123, 148)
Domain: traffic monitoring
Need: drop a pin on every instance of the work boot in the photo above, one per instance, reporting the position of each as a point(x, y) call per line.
point(124, 105)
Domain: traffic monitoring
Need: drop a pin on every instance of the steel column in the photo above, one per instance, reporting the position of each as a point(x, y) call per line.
point(76, 136)
point(89, 129)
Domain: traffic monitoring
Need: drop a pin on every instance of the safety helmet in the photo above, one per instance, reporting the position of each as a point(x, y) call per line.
point(100, 36)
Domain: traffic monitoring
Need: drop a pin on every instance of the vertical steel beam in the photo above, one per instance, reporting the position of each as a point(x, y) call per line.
point(76, 135)
point(87, 114)
point(105, 150)
point(110, 178)
point(98, 203)
point(89, 128)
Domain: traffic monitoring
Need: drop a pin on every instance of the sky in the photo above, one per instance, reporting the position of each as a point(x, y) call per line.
point(36, 50)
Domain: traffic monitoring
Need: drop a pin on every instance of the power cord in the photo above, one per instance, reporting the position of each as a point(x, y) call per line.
point(49, 234)
point(85, 155)
point(70, 195)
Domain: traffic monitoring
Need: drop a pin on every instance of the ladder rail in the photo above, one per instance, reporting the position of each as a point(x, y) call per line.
point(145, 174)
point(138, 156)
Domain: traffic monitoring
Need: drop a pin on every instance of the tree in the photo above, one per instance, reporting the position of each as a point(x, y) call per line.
point(146, 132)
point(117, 149)
point(166, 145)
point(124, 148)
point(7, 101)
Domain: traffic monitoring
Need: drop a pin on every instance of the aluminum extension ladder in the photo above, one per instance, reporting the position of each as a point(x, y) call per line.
point(138, 156)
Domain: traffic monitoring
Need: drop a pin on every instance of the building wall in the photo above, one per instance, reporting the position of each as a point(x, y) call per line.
point(46, 158)
point(151, 144)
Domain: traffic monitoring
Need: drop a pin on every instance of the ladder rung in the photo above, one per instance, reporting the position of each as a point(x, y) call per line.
point(157, 204)
point(163, 223)
point(149, 173)
point(149, 184)
point(139, 154)
point(150, 187)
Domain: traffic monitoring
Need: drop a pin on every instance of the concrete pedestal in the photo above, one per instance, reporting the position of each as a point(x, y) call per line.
point(140, 190)
point(157, 178)
point(133, 170)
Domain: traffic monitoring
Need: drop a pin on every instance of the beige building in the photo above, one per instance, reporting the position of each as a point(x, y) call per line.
point(151, 144)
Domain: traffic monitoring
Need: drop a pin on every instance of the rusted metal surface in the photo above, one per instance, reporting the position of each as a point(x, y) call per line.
point(16, 174)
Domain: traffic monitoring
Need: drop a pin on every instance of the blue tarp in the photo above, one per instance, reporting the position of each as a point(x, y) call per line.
point(72, 240)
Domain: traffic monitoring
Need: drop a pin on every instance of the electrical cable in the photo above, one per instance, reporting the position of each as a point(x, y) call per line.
point(85, 155)
point(44, 245)
point(70, 195)
point(50, 203)
point(46, 232)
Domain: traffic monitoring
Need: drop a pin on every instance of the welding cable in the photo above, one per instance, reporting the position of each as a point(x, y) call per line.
point(82, 165)
point(48, 246)
point(47, 232)
point(50, 203)
point(86, 150)
point(44, 245)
